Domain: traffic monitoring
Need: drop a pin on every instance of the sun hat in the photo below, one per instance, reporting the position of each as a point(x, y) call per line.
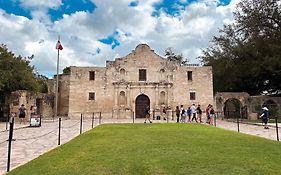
point(265, 108)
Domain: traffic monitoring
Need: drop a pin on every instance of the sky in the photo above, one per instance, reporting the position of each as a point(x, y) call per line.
point(93, 31)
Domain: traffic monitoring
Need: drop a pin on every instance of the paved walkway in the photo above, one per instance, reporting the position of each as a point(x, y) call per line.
point(31, 142)
point(257, 129)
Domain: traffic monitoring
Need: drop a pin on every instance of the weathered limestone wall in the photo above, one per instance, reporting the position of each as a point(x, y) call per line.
point(44, 103)
point(63, 102)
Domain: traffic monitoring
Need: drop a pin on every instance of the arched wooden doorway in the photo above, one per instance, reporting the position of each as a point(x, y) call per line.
point(142, 101)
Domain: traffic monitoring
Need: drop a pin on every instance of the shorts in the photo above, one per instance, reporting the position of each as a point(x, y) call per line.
point(212, 115)
point(22, 116)
point(264, 120)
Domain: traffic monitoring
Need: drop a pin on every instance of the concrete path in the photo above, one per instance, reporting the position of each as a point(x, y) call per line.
point(31, 142)
point(252, 129)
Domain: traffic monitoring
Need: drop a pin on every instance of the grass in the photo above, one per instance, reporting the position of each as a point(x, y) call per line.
point(159, 149)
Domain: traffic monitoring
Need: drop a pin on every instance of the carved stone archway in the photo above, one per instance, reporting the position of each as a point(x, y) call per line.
point(142, 101)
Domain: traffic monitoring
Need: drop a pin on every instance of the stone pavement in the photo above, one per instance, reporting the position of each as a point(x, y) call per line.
point(32, 142)
point(252, 129)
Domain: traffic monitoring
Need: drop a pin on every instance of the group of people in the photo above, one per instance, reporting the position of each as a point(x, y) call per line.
point(22, 112)
point(190, 114)
point(194, 113)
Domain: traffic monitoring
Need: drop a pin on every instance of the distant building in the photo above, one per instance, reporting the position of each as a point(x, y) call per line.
point(131, 83)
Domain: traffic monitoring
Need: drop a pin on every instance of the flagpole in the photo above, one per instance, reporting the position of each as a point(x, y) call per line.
point(57, 83)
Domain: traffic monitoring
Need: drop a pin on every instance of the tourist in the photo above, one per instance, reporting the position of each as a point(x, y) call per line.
point(33, 110)
point(199, 113)
point(211, 115)
point(265, 117)
point(178, 114)
point(193, 112)
point(183, 115)
point(147, 115)
point(22, 111)
point(188, 111)
point(207, 113)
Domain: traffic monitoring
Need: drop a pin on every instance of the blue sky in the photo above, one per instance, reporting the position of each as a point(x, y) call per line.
point(93, 31)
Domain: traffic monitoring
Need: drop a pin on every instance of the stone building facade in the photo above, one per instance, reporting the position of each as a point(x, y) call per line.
point(127, 85)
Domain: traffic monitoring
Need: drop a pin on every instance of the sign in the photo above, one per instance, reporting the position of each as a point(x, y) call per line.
point(35, 120)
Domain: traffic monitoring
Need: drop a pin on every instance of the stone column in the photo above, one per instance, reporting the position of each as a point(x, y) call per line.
point(156, 96)
point(128, 96)
point(116, 96)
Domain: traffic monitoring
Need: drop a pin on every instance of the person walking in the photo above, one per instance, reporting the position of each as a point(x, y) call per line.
point(265, 117)
point(147, 115)
point(178, 114)
point(182, 113)
point(199, 113)
point(193, 111)
point(22, 111)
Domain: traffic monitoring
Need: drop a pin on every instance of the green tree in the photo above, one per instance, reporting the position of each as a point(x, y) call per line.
point(16, 73)
point(172, 56)
point(246, 56)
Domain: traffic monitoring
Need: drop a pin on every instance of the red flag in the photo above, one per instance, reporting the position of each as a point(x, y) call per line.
point(59, 46)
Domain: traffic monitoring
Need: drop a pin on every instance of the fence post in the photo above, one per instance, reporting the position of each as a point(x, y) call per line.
point(81, 121)
point(93, 117)
point(100, 118)
point(59, 131)
point(10, 143)
point(238, 123)
point(276, 122)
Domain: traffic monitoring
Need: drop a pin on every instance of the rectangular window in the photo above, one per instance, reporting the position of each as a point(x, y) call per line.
point(142, 74)
point(92, 75)
point(189, 75)
point(192, 96)
point(92, 96)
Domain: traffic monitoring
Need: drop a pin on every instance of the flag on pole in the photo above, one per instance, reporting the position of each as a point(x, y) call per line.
point(59, 46)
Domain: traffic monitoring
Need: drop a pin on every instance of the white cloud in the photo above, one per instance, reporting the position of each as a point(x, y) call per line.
point(41, 3)
point(80, 31)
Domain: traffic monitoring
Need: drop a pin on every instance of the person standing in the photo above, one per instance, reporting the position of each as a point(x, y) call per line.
point(207, 110)
point(199, 113)
point(188, 111)
point(22, 111)
point(211, 115)
point(183, 115)
point(178, 114)
point(265, 117)
point(147, 115)
point(193, 111)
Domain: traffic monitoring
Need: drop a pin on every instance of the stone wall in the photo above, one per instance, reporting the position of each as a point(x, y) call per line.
point(252, 104)
point(44, 103)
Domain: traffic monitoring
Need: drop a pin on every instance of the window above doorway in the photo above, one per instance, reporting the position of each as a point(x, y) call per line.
point(142, 74)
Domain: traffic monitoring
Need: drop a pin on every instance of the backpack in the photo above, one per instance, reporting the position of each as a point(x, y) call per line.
point(183, 112)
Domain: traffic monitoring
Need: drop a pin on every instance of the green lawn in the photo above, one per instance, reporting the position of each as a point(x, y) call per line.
point(159, 149)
